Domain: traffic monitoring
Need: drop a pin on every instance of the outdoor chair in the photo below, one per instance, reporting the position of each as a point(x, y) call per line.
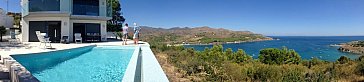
point(42, 39)
point(65, 40)
point(78, 38)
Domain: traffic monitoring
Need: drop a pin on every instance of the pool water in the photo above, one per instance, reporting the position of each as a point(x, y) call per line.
point(87, 64)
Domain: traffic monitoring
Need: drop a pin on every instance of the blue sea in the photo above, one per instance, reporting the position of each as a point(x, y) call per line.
point(307, 46)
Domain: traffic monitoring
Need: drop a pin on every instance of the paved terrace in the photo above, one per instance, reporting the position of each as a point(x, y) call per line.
point(148, 65)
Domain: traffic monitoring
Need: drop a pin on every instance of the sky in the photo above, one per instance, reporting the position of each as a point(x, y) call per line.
point(268, 17)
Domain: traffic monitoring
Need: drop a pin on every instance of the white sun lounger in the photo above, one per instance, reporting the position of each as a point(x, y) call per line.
point(42, 39)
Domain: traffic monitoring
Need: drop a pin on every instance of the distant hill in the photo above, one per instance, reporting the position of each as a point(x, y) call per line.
point(197, 35)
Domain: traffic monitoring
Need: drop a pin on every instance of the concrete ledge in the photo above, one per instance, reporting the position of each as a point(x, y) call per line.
point(151, 70)
point(130, 70)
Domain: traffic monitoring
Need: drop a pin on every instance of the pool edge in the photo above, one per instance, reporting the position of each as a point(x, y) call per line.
point(129, 74)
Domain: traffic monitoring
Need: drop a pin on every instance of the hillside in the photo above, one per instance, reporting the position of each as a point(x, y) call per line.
point(198, 35)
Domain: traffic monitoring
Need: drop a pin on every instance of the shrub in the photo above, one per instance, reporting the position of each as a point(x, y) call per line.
point(316, 61)
point(344, 71)
point(293, 73)
point(361, 58)
point(265, 72)
point(343, 59)
point(306, 63)
point(360, 68)
point(319, 73)
point(236, 72)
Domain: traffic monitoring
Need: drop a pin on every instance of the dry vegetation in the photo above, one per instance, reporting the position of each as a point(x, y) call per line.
point(215, 64)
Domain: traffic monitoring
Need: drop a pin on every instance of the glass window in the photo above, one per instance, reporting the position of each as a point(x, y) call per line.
point(44, 5)
point(86, 7)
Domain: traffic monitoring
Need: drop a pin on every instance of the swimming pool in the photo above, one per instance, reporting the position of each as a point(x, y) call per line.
point(85, 64)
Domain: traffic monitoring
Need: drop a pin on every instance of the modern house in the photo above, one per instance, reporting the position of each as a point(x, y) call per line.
point(60, 18)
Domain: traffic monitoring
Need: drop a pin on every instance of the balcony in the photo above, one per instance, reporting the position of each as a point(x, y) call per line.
point(85, 10)
point(44, 5)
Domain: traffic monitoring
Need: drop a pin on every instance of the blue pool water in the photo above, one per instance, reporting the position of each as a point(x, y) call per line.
point(86, 64)
point(306, 46)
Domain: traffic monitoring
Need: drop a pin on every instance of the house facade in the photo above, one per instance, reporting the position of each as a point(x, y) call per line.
point(60, 18)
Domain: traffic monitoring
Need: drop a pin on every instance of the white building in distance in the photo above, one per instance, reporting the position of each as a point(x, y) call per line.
point(6, 20)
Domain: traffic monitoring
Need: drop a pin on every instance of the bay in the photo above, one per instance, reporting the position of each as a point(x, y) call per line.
point(307, 46)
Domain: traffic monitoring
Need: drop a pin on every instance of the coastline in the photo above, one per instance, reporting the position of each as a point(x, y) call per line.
point(351, 47)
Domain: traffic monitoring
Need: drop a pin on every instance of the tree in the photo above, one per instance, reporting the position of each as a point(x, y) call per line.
point(279, 56)
point(241, 56)
point(2, 32)
point(117, 18)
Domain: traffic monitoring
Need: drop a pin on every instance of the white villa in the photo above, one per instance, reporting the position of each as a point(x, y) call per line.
point(64, 18)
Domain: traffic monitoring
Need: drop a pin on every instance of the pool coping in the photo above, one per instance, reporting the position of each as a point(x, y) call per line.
point(53, 50)
point(129, 75)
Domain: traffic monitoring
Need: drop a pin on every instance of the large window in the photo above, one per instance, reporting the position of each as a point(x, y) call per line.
point(51, 28)
point(86, 7)
point(43, 5)
point(90, 32)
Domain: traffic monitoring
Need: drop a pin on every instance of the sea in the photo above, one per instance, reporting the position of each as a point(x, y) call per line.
point(308, 47)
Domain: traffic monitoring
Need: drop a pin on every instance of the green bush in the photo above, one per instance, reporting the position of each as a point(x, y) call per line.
point(316, 61)
point(293, 73)
point(361, 58)
point(343, 59)
point(268, 73)
point(360, 68)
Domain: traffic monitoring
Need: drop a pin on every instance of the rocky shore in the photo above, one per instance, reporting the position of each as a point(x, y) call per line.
point(356, 47)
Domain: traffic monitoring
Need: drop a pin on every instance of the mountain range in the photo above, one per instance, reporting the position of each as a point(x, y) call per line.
point(197, 35)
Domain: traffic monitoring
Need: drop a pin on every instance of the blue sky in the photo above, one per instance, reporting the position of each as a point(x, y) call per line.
point(268, 17)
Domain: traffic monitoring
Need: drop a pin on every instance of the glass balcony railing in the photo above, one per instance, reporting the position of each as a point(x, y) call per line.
point(108, 9)
point(44, 5)
point(85, 10)
point(24, 8)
